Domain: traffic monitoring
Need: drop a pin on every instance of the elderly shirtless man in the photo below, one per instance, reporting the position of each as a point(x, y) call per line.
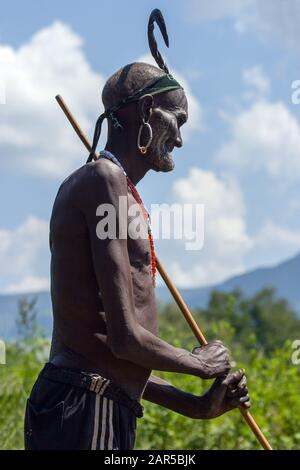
point(105, 343)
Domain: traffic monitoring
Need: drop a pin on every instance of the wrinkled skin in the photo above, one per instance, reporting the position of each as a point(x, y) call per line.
point(105, 318)
point(224, 395)
point(215, 359)
point(166, 120)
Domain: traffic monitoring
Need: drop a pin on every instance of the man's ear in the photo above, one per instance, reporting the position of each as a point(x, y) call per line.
point(145, 107)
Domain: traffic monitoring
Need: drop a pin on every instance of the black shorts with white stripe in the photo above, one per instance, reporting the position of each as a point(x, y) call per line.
point(72, 410)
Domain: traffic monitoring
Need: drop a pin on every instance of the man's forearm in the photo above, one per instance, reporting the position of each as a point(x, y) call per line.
point(162, 393)
point(147, 350)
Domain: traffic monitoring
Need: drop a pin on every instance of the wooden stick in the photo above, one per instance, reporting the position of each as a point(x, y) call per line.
point(202, 340)
point(172, 288)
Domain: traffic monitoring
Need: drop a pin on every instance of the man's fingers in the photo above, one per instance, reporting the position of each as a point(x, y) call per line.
point(237, 392)
point(221, 389)
point(240, 402)
point(242, 383)
point(245, 401)
point(232, 380)
point(216, 342)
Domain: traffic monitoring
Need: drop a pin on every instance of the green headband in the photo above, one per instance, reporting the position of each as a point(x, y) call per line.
point(159, 85)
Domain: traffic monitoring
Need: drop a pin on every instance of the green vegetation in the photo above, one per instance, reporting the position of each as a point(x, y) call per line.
point(24, 359)
point(259, 331)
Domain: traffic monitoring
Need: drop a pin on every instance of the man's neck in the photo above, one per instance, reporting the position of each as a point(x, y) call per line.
point(131, 160)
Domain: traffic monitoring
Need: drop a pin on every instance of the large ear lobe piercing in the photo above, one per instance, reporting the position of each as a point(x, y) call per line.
point(143, 148)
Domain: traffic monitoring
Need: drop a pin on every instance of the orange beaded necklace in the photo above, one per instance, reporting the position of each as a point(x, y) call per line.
point(134, 192)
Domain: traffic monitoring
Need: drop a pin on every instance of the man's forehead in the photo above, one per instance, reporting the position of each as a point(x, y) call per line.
point(174, 100)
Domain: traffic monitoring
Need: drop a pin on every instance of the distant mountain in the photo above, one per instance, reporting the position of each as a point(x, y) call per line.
point(285, 278)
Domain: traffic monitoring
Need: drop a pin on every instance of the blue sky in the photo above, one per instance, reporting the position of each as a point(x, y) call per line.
point(241, 154)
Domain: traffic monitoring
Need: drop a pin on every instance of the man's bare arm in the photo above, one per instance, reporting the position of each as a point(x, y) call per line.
point(127, 339)
point(162, 393)
point(224, 395)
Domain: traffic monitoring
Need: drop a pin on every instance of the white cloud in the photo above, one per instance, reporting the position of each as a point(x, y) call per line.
point(28, 285)
point(195, 121)
point(2, 92)
point(228, 249)
point(272, 244)
point(264, 136)
point(268, 19)
point(226, 240)
point(34, 134)
point(272, 233)
point(258, 83)
point(22, 251)
point(264, 142)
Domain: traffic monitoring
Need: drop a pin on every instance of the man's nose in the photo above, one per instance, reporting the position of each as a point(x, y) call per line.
point(178, 141)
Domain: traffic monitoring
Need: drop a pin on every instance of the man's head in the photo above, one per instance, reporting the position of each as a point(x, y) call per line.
point(165, 112)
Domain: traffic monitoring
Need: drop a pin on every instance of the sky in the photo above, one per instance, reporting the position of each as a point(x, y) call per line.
point(237, 60)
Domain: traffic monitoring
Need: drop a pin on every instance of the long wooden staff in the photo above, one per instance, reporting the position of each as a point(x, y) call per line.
point(172, 288)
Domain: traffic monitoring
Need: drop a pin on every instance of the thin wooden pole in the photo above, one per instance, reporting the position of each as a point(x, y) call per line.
point(172, 288)
point(202, 340)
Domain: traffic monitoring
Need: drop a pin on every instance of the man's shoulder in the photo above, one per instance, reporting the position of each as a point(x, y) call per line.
point(102, 169)
point(94, 173)
point(106, 170)
point(101, 179)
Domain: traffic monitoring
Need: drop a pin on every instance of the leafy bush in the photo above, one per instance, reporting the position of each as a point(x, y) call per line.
point(259, 331)
point(24, 361)
point(274, 385)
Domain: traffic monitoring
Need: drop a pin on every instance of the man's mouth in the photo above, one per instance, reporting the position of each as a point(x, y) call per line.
point(170, 147)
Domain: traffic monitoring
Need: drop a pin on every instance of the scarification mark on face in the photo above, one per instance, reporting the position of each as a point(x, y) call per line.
point(169, 113)
point(166, 134)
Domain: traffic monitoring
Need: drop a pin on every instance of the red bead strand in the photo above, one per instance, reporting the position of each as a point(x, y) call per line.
point(147, 219)
point(111, 157)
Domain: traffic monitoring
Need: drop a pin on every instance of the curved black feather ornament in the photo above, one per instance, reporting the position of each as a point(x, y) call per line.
point(157, 17)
